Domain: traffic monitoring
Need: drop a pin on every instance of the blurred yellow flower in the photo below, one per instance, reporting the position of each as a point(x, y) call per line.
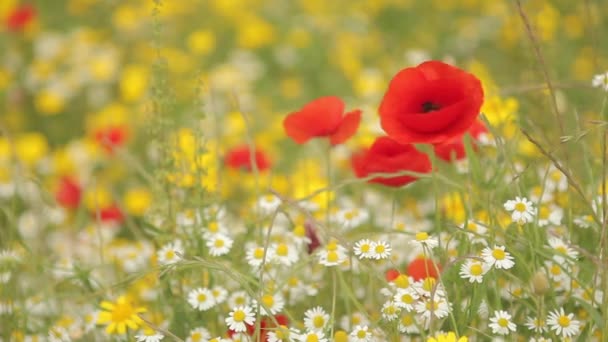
point(134, 82)
point(201, 42)
point(137, 201)
point(97, 197)
point(49, 102)
point(31, 148)
point(254, 32)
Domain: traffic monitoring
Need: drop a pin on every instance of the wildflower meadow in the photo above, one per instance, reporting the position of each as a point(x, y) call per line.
point(303, 170)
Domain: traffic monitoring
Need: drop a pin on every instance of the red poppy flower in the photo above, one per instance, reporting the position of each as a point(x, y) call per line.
point(430, 103)
point(68, 193)
point(111, 137)
point(240, 158)
point(391, 274)
point(422, 268)
point(20, 17)
point(110, 214)
point(323, 117)
point(453, 149)
point(388, 156)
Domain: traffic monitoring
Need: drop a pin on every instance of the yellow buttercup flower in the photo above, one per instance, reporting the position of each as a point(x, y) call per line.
point(31, 147)
point(133, 82)
point(120, 315)
point(137, 201)
point(449, 337)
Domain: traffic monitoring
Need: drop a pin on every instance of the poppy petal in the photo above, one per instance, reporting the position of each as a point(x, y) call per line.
point(347, 128)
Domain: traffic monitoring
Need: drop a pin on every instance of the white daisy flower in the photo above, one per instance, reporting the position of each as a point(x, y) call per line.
point(600, 81)
point(425, 240)
point(201, 299)
point(522, 210)
point(285, 254)
point(219, 294)
point(170, 253)
point(155, 337)
point(363, 248)
point(475, 231)
point(556, 180)
point(239, 318)
point(271, 304)
point(390, 310)
point(351, 218)
point(550, 215)
point(360, 334)
point(332, 255)
point(563, 324)
point(316, 319)
point(563, 252)
point(238, 298)
point(199, 334)
point(268, 204)
point(556, 271)
point(316, 336)
point(380, 250)
point(354, 319)
point(501, 323)
point(539, 195)
point(283, 334)
point(255, 256)
point(536, 324)
point(219, 244)
point(438, 307)
point(214, 227)
point(406, 298)
point(408, 324)
point(497, 257)
point(473, 270)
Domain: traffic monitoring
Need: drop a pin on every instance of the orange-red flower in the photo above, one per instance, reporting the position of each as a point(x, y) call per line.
point(422, 268)
point(430, 103)
point(453, 149)
point(68, 193)
point(20, 17)
point(111, 137)
point(240, 158)
point(323, 117)
point(388, 156)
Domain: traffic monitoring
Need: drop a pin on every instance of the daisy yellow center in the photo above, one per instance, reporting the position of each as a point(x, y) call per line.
point(361, 334)
point(269, 198)
point(561, 249)
point(196, 337)
point(544, 212)
point(239, 300)
point(268, 300)
point(312, 338)
point(380, 249)
point(282, 332)
point(400, 226)
point(563, 321)
point(318, 322)
point(201, 297)
point(476, 269)
point(365, 248)
point(239, 316)
point(332, 246)
point(498, 254)
point(432, 306)
point(332, 256)
point(472, 226)
point(294, 281)
point(407, 299)
point(503, 322)
point(520, 207)
point(556, 270)
point(282, 249)
point(428, 284)
point(170, 254)
point(349, 215)
point(407, 320)
point(219, 243)
point(422, 236)
point(299, 230)
point(390, 310)
point(258, 253)
point(213, 227)
point(556, 176)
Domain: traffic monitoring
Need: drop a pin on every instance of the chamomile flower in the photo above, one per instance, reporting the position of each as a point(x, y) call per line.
point(380, 250)
point(219, 294)
point(239, 318)
point(425, 240)
point(219, 244)
point(256, 255)
point(170, 253)
point(497, 257)
point(316, 319)
point(283, 334)
point(361, 334)
point(351, 218)
point(285, 254)
point(436, 306)
point(268, 204)
point(238, 298)
point(473, 270)
point(408, 324)
point(201, 299)
point(550, 215)
point(563, 324)
point(501, 323)
point(59, 334)
point(563, 252)
point(475, 230)
point(363, 248)
point(556, 271)
point(271, 304)
point(536, 324)
point(405, 298)
point(556, 180)
point(332, 255)
point(522, 210)
point(199, 334)
point(390, 310)
point(155, 337)
point(312, 336)
point(600, 81)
